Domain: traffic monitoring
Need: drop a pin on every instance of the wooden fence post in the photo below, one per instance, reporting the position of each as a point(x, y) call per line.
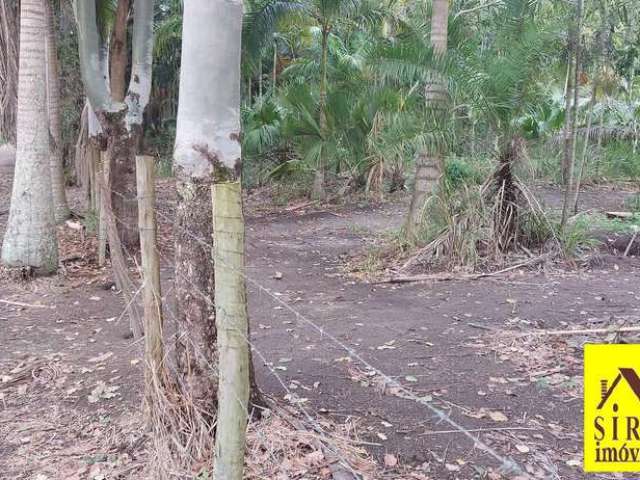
point(232, 326)
point(151, 293)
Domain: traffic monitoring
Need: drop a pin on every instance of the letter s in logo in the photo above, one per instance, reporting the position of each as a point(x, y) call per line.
point(597, 423)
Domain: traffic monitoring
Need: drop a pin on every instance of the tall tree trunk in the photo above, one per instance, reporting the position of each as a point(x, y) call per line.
point(598, 80)
point(575, 194)
point(568, 108)
point(122, 143)
point(260, 79)
point(207, 151)
point(429, 163)
point(9, 46)
point(572, 119)
point(30, 238)
point(121, 122)
point(60, 205)
point(121, 153)
point(118, 52)
point(274, 72)
point(318, 192)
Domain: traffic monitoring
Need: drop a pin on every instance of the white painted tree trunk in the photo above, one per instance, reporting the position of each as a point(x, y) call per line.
point(30, 238)
point(208, 152)
point(209, 118)
point(60, 206)
point(121, 121)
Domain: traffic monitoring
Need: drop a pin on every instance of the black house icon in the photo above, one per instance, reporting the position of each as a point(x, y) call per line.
point(631, 377)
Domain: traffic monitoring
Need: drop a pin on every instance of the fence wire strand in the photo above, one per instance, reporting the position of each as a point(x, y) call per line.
point(507, 464)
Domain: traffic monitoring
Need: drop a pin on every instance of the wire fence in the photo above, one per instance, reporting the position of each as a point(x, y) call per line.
point(506, 464)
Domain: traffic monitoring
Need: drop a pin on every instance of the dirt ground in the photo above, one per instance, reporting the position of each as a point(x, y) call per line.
point(70, 383)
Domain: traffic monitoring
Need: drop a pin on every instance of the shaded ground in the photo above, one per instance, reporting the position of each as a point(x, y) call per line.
point(522, 396)
point(598, 197)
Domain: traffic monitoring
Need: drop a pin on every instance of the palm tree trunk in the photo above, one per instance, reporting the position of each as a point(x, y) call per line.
point(260, 80)
point(318, 192)
point(194, 163)
point(429, 163)
point(572, 120)
point(601, 58)
point(9, 46)
point(567, 136)
point(30, 239)
point(60, 205)
point(121, 154)
point(575, 195)
point(274, 72)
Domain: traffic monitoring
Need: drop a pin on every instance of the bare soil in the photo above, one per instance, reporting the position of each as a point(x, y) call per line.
point(70, 388)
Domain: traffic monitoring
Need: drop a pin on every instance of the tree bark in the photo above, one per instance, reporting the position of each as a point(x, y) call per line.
point(429, 163)
point(318, 192)
point(121, 149)
point(30, 238)
point(121, 154)
point(60, 205)
point(9, 46)
point(207, 151)
point(122, 122)
point(572, 119)
point(196, 333)
point(118, 52)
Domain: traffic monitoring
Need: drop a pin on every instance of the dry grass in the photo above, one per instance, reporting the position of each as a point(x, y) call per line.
point(281, 444)
point(49, 435)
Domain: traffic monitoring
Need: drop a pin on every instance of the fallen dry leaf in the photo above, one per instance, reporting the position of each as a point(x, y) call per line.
point(390, 461)
point(498, 416)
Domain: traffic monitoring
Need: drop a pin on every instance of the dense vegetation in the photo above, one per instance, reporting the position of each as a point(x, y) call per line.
point(339, 87)
point(336, 99)
point(507, 73)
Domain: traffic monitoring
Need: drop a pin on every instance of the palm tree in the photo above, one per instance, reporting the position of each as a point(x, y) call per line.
point(324, 15)
point(429, 162)
point(60, 206)
point(30, 239)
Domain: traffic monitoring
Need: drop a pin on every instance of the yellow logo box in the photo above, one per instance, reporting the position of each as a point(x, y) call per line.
point(612, 408)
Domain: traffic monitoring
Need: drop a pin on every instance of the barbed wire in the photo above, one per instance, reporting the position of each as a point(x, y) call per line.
point(319, 429)
point(312, 421)
point(507, 464)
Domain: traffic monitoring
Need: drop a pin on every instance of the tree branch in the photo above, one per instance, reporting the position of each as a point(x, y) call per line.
point(89, 47)
point(142, 61)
